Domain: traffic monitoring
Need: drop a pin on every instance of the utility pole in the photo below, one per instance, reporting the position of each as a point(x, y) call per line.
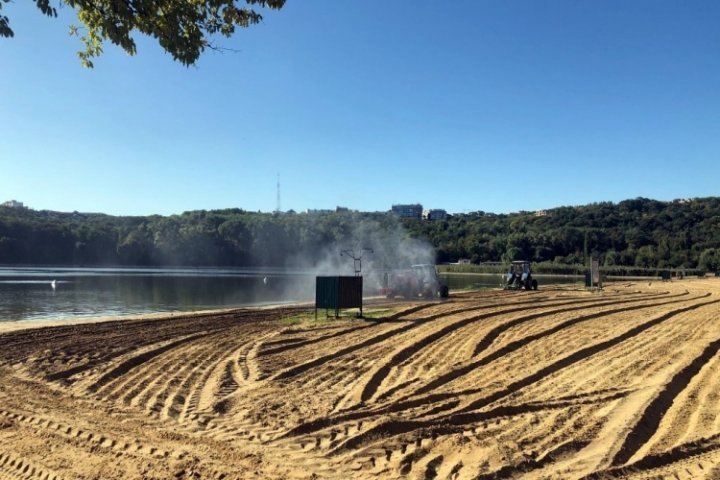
point(277, 207)
point(357, 258)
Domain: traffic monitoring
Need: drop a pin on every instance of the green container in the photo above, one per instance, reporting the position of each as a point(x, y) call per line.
point(588, 279)
point(334, 293)
point(665, 275)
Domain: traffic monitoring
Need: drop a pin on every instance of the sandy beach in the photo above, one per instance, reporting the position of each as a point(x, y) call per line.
point(555, 383)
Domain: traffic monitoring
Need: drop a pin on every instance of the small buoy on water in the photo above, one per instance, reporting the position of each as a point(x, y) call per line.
point(52, 284)
point(265, 280)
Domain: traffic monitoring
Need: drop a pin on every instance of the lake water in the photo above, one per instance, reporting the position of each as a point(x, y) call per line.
point(28, 293)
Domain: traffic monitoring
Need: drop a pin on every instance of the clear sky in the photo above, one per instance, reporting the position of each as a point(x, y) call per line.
point(464, 105)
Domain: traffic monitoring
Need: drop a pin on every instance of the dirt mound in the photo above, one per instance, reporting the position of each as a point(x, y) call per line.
point(555, 383)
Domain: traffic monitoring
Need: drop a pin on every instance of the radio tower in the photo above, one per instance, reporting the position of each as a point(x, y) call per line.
point(277, 209)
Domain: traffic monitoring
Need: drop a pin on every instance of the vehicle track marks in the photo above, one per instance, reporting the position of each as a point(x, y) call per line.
point(583, 354)
point(139, 359)
point(375, 379)
point(18, 467)
point(467, 413)
point(91, 438)
point(648, 423)
point(676, 456)
point(517, 344)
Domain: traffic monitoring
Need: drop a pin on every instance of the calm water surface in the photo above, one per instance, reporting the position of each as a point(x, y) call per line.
point(28, 293)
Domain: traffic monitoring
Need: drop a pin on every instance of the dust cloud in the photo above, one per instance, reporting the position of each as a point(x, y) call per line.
point(371, 247)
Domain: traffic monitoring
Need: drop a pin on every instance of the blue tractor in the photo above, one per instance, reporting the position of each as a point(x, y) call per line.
point(519, 276)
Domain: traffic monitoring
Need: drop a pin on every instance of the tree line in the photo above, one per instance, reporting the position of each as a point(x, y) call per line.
point(231, 237)
point(640, 233)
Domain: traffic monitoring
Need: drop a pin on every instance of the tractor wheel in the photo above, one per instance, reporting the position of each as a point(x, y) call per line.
point(534, 284)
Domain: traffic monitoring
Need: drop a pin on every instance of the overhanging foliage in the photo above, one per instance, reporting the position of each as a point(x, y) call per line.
point(184, 28)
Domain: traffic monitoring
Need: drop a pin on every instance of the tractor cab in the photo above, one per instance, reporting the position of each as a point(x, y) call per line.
point(430, 283)
point(418, 280)
point(520, 276)
point(425, 272)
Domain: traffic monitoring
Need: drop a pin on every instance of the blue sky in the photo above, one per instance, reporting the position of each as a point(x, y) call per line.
point(465, 105)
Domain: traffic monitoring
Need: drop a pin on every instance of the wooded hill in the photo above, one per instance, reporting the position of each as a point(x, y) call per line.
point(639, 233)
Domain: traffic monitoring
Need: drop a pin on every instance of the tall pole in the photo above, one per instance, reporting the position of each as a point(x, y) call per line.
point(277, 208)
point(357, 258)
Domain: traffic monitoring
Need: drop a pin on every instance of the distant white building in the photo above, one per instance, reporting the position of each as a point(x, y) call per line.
point(414, 210)
point(541, 213)
point(435, 214)
point(13, 204)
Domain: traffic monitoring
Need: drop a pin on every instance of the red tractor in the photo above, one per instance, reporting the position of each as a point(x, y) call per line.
point(417, 281)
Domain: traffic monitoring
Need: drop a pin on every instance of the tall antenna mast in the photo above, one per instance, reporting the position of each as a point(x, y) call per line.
point(277, 208)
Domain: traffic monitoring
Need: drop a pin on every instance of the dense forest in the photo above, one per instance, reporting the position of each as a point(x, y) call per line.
point(635, 233)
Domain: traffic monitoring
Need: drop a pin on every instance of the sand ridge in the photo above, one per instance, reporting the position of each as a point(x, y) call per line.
point(554, 383)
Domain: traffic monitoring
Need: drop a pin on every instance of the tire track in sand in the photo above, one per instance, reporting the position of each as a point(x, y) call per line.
point(373, 380)
point(518, 344)
point(465, 413)
point(649, 421)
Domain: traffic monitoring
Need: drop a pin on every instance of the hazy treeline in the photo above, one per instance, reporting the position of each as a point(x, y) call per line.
point(230, 237)
point(639, 232)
